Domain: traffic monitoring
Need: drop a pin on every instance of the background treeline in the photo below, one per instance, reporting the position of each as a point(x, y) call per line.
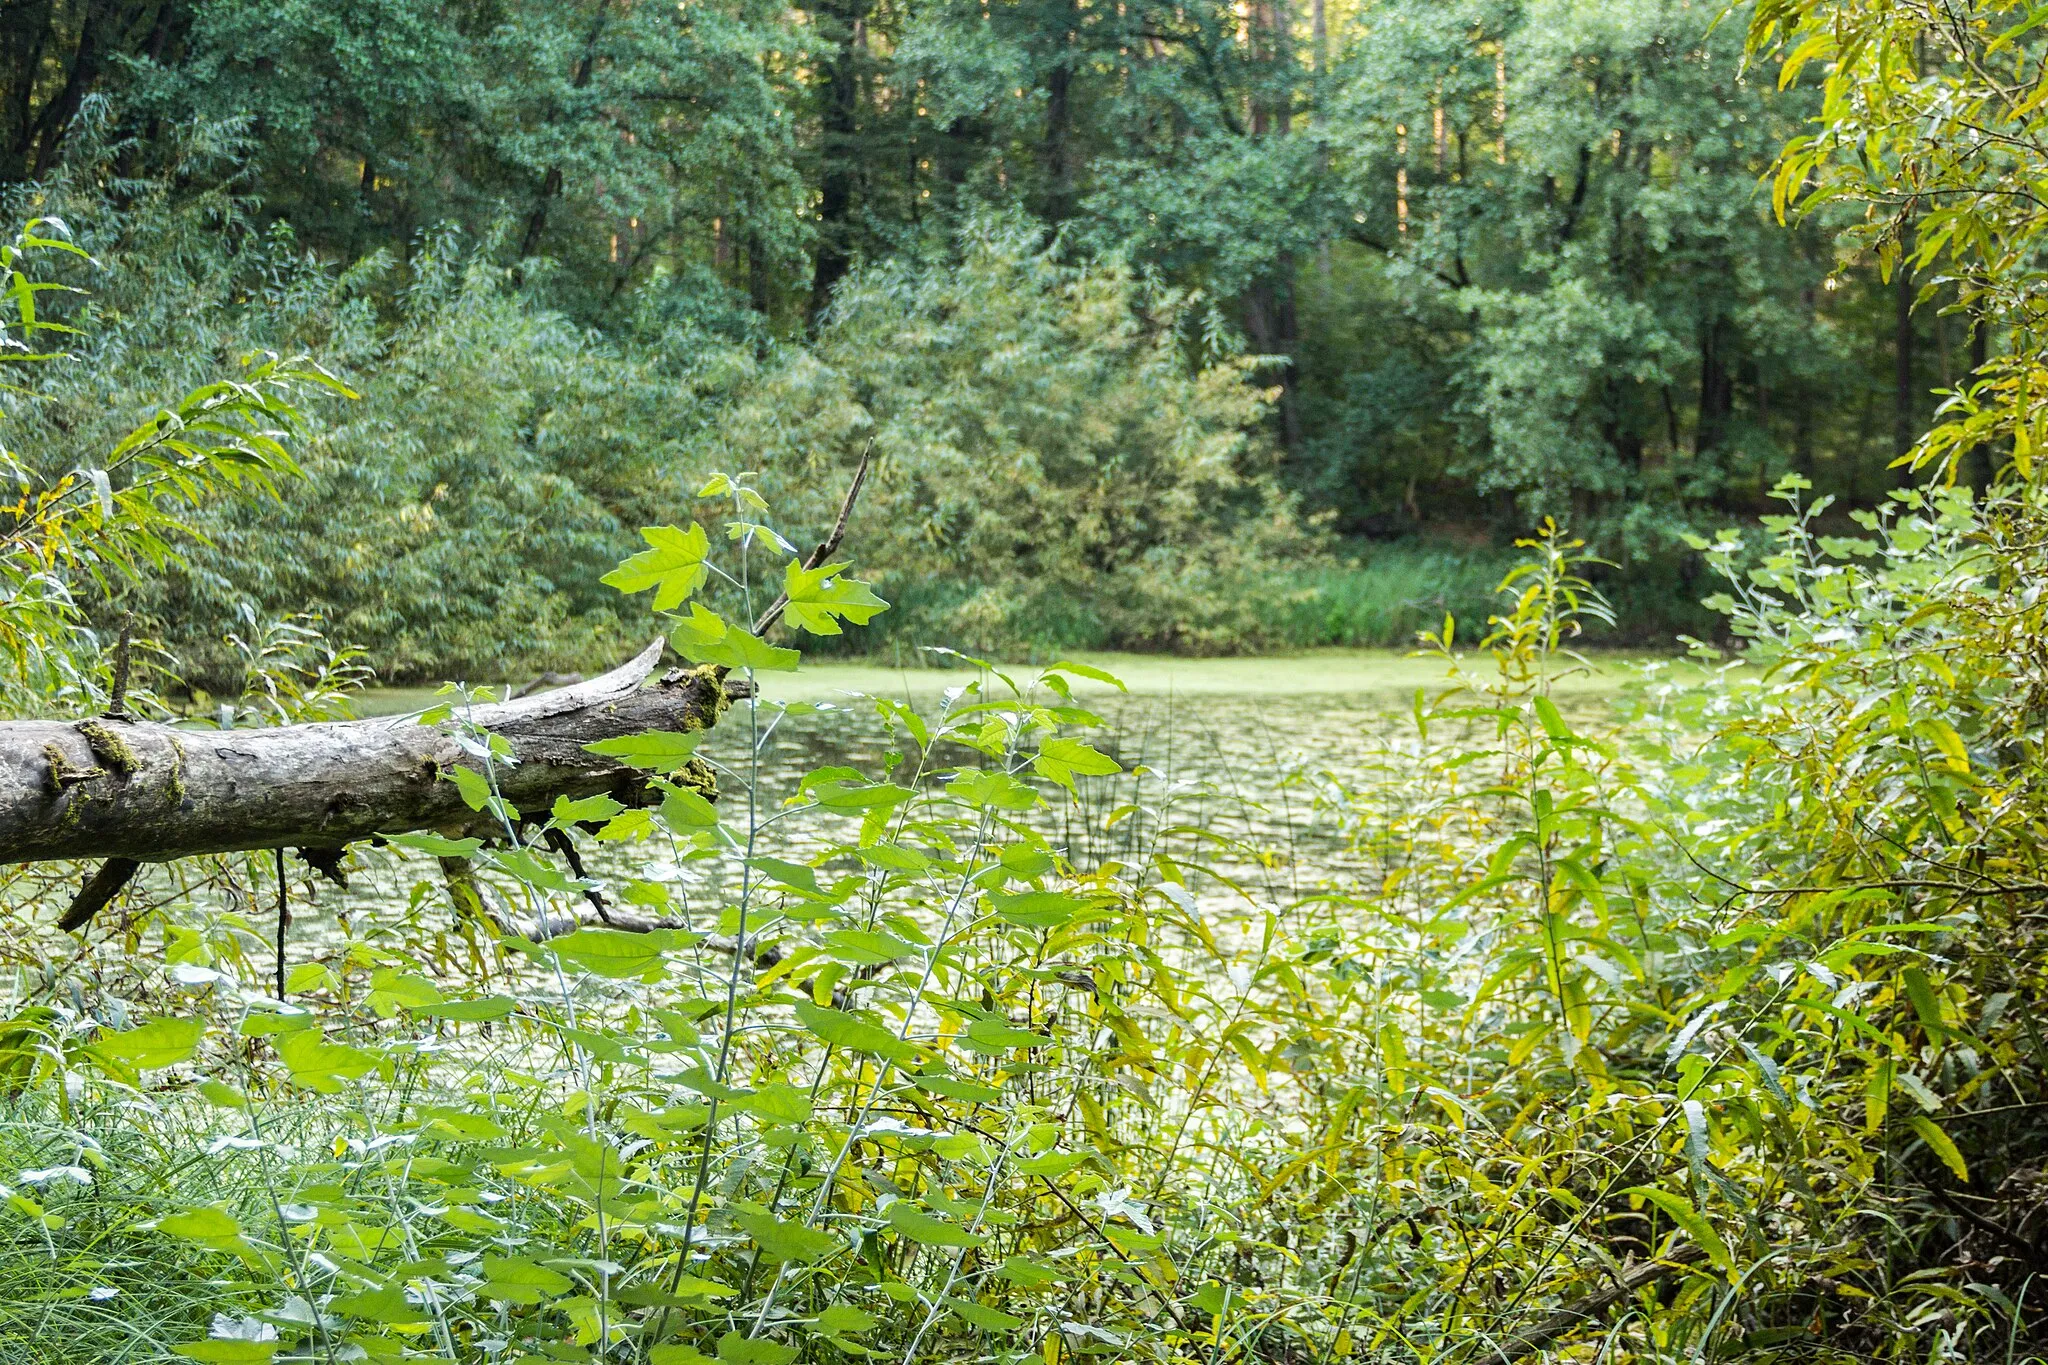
point(1201, 326)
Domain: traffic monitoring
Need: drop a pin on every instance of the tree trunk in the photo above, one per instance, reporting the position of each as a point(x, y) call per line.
point(1905, 427)
point(85, 69)
point(1056, 149)
point(839, 154)
point(120, 789)
point(1980, 356)
point(1717, 390)
point(551, 182)
point(24, 36)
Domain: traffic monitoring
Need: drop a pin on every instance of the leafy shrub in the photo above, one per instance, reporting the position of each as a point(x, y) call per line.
point(1049, 470)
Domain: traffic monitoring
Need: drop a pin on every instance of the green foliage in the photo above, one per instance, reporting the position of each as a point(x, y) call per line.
point(1704, 1028)
point(1042, 448)
point(119, 513)
point(1504, 260)
point(1931, 127)
point(1730, 995)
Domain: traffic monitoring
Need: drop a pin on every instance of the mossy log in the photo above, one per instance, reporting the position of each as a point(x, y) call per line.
point(128, 790)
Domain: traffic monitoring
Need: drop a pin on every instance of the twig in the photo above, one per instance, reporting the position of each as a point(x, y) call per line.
point(560, 842)
point(103, 886)
point(284, 921)
point(117, 696)
point(1595, 1305)
point(829, 545)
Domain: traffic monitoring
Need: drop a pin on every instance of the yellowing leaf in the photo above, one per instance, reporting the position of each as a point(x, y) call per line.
point(1939, 1143)
point(1946, 739)
point(1688, 1218)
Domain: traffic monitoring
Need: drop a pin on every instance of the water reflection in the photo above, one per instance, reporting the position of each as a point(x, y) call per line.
point(1222, 777)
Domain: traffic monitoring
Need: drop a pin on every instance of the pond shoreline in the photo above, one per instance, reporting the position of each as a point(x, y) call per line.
point(1322, 672)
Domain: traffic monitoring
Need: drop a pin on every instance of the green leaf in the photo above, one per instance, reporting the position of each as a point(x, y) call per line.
point(437, 845)
point(614, 952)
point(1921, 992)
point(735, 1348)
point(785, 1241)
point(992, 791)
point(230, 1352)
point(742, 650)
point(471, 1011)
point(780, 1103)
point(856, 1035)
point(1029, 1274)
point(982, 1316)
point(1037, 909)
point(841, 1319)
point(1938, 1142)
point(206, 1225)
point(992, 1033)
point(458, 1125)
point(685, 809)
point(522, 865)
point(860, 795)
point(1553, 720)
point(660, 751)
point(158, 1043)
point(706, 638)
point(933, 1232)
point(1088, 671)
point(392, 991)
point(387, 1305)
point(319, 1065)
point(589, 810)
point(1079, 757)
point(672, 1354)
point(514, 1279)
point(953, 1088)
point(820, 598)
point(674, 565)
point(474, 786)
point(867, 948)
point(1052, 1165)
point(1681, 1212)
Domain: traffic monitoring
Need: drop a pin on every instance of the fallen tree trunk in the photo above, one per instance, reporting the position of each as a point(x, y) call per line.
point(126, 790)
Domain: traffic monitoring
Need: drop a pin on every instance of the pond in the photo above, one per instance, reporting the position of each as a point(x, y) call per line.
point(1230, 747)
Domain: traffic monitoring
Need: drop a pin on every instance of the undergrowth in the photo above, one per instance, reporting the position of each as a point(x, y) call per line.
point(1670, 1032)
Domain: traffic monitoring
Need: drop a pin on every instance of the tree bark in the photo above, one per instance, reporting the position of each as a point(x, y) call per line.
point(551, 182)
point(844, 23)
point(120, 789)
point(1055, 148)
point(1905, 415)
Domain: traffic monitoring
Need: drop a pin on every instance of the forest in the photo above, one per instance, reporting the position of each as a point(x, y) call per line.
point(1025, 682)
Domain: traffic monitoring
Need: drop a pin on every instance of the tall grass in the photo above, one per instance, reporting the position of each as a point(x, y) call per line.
point(1391, 592)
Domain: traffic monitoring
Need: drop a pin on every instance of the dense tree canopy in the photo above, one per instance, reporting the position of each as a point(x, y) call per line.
point(1492, 260)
